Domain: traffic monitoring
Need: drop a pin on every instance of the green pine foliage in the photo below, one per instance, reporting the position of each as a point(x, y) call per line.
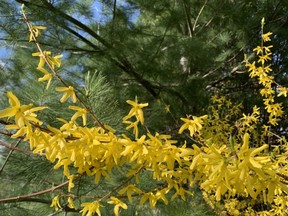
point(131, 48)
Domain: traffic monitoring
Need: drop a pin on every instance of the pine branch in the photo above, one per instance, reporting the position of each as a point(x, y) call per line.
point(188, 20)
point(114, 17)
point(120, 61)
point(200, 12)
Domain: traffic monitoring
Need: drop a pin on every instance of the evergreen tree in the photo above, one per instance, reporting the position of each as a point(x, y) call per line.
point(173, 54)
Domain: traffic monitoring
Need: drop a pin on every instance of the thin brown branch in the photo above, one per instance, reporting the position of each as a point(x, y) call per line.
point(14, 148)
point(56, 74)
point(4, 122)
point(9, 155)
point(119, 60)
point(5, 133)
point(23, 197)
point(285, 177)
point(37, 200)
point(117, 196)
point(121, 185)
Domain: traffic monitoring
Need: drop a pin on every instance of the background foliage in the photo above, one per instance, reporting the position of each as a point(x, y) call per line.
point(168, 53)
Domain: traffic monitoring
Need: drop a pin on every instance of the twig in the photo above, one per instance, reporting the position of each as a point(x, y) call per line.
point(13, 147)
point(57, 75)
point(19, 198)
point(5, 133)
point(121, 185)
point(189, 24)
point(9, 154)
point(196, 20)
point(119, 60)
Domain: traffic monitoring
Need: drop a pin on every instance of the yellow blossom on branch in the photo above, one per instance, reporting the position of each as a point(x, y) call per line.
point(249, 159)
point(22, 113)
point(282, 91)
point(130, 190)
point(167, 108)
point(90, 208)
point(133, 125)
point(71, 203)
point(68, 92)
point(118, 203)
point(47, 77)
point(264, 58)
point(152, 199)
point(258, 50)
point(71, 184)
point(136, 110)
point(193, 125)
point(55, 203)
point(267, 49)
point(275, 109)
point(47, 57)
point(80, 112)
point(35, 31)
point(266, 37)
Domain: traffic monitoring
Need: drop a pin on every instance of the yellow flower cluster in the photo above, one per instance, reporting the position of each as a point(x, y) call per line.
point(229, 169)
point(261, 69)
point(226, 164)
point(94, 151)
point(22, 114)
point(45, 58)
point(136, 112)
point(238, 172)
point(193, 124)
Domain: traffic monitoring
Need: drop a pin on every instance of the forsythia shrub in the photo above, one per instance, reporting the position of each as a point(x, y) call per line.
point(229, 160)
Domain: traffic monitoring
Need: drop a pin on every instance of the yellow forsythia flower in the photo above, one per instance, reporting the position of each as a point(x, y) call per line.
point(71, 204)
point(35, 31)
point(133, 125)
point(47, 77)
point(118, 203)
point(80, 112)
point(152, 199)
point(89, 208)
point(266, 37)
point(282, 91)
point(55, 203)
point(47, 57)
point(130, 190)
point(193, 125)
point(22, 113)
point(68, 92)
point(136, 111)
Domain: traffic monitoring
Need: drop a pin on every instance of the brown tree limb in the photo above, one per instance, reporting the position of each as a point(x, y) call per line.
point(23, 197)
point(14, 148)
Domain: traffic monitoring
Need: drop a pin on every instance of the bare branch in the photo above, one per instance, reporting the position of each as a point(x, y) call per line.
point(188, 20)
point(14, 148)
point(8, 156)
point(200, 12)
point(23, 197)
